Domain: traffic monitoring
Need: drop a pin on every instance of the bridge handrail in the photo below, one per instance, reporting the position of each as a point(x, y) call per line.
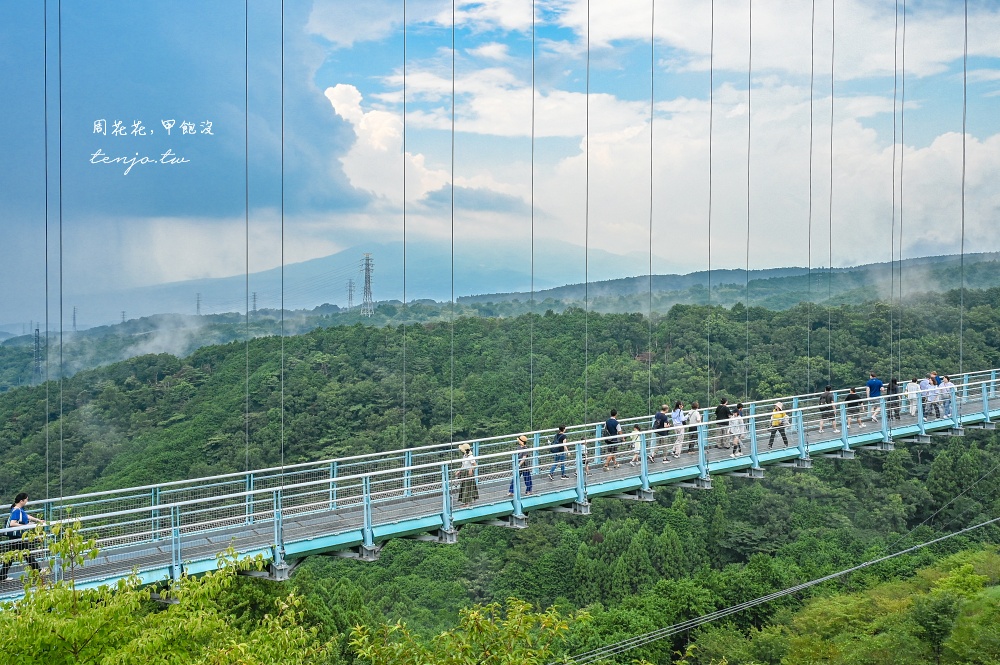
point(280, 471)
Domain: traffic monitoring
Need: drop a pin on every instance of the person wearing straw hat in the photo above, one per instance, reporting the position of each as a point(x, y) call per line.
point(523, 465)
point(468, 492)
point(778, 422)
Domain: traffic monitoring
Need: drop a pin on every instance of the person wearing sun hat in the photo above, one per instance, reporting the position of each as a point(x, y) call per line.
point(468, 492)
point(523, 465)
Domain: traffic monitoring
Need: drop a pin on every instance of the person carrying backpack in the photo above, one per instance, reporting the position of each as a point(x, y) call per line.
point(18, 524)
point(559, 451)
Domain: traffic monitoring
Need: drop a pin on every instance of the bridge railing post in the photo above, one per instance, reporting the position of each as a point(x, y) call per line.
point(333, 485)
point(248, 502)
point(515, 486)
point(965, 388)
point(446, 507)
point(536, 441)
point(920, 412)
point(702, 443)
point(842, 417)
point(644, 462)
point(956, 417)
point(984, 395)
point(154, 514)
point(581, 473)
point(993, 384)
point(799, 421)
point(176, 560)
point(884, 421)
point(407, 473)
point(475, 453)
point(597, 444)
point(367, 531)
point(753, 435)
point(279, 528)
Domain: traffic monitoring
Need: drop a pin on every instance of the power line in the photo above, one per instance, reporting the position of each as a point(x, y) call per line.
point(623, 646)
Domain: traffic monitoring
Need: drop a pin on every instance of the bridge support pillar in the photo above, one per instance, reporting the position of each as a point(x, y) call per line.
point(361, 553)
point(840, 454)
point(441, 537)
point(638, 495)
point(753, 473)
point(576, 508)
point(799, 463)
point(989, 425)
point(511, 522)
point(884, 446)
point(704, 483)
point(917, 438)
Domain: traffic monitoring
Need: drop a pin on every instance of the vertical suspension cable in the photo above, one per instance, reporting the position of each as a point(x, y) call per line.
point(45, 156)
point(451, 406)
point(405, 310)
point(892, 247)
point(281, 327)
point(746, 359)
point(902, 157)
point(586, 243)
point(649, 308)
point(965, 101)
point(531, 306)
point(809, 303)
point(246, 232)
point(711, 109)
point(829, 281)
point(62, 433)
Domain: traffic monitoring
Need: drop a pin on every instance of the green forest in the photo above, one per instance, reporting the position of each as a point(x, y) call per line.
point(579, 582)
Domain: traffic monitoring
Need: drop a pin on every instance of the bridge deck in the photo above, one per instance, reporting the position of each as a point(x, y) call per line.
point(351, 505)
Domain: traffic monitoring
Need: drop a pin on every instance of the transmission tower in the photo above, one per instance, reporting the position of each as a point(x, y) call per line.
point(254, 302)
point(123, 316)
point(197, 304)
point(367, 305)
point(38, 356)
point(74, 318)
point(350, 295)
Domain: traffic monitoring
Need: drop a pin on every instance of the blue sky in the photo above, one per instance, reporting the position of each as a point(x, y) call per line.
point(316, 93)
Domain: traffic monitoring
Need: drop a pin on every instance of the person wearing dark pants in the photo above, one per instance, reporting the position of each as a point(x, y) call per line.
point(523, 465)
point(778, 423)
point(18, 524)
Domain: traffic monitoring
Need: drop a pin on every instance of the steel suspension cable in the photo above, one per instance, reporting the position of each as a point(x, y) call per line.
point(746, 359)
point(902, 157)
point(829, 266)
point(62, 367)
point(809, 303)
point(45, 156)
point(629, 644)
point(892, 237)
point(531, 306)
point(711, 109)
point(965, 104)
point(246, 227)
point(649, 306)
point(451, 406)
point(281, 326)
point(586, 244)
point(405, 307)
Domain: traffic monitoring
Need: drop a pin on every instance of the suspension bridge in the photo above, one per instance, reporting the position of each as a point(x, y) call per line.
point(352, 506)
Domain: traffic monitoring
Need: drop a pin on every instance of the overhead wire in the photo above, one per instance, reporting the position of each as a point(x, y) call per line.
point(746, 360)
point(246, 228)
point(629, 644)
point(829, 267)
point(809, 301)
point(281, 327)
point(892, 237)
point(649, 307)
point(451, 393)
point(965, 103)
point(586, 243)
point(404, 307)
point(711, 109)
point(62, 366)
point(45, 157)
point(531, 306)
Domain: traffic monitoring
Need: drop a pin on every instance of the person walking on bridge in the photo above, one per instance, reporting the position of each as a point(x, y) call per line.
point(912, 390)
point(660, 423)
point(677, 420)
point(826, 410)
point(523, 465)
point(945, 390)
point(18, 524)
point(737, 429)
point(853, 404)
point(722, 414)
point(467, 490)
point(874, 391)
point(694, 419)
point(778, 423)
point(892, 399)
point(613, 430)
point(559, 450)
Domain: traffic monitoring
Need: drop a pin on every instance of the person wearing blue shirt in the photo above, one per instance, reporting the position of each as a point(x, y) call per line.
point(17, 525)
point(874, 387)
point(660, 423)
